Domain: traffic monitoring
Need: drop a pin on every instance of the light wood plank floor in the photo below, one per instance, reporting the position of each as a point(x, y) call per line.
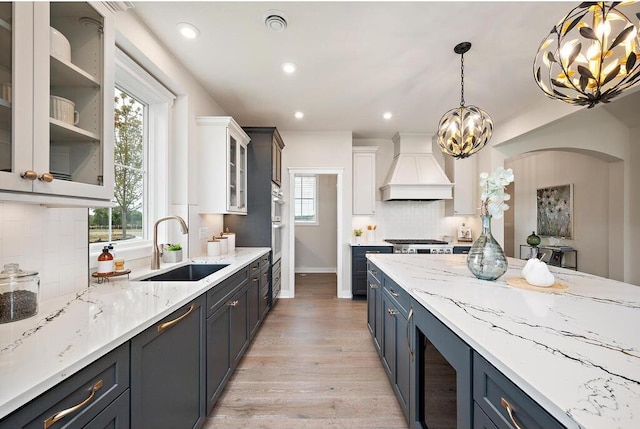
point(311, 365)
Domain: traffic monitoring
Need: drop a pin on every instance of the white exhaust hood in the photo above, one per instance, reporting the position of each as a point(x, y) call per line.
point(415, 173)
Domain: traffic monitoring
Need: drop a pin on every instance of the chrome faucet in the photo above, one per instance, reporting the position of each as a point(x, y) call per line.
point(155, 258)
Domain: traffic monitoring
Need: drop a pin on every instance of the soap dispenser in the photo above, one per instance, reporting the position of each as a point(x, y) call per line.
point(105, 262)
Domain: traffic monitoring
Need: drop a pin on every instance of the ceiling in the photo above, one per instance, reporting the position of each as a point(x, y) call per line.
point(357, 60)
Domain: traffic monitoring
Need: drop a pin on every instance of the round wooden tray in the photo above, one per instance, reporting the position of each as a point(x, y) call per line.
point(521, 283)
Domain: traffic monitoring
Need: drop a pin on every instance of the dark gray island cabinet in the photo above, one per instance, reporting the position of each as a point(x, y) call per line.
point(167, 376)
point(438, 379)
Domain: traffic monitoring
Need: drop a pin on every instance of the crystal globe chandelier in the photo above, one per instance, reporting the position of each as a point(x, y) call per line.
point(464, 130)
point(590, 56)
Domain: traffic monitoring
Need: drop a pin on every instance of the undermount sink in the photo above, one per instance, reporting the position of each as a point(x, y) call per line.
point(186, 273)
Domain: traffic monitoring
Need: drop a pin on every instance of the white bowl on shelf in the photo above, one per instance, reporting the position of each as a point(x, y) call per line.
point(62, 110)
point(59, 45)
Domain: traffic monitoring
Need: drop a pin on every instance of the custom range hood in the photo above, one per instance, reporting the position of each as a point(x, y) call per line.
point(415, 173)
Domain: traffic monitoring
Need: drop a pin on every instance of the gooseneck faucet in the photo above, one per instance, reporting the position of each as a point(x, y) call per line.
point(155, 258)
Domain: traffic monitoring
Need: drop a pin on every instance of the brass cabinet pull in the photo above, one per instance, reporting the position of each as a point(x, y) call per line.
point(391, 312)
point(407, 332)
point(46, 177)
point(372, 251)
point(169, 324)
point(234, 303)
point(265, 274)
point(62, 414)
point(507, 406)
point(29, 175)
point(374, 272)
point(255, 280)
point(254, 268)
point(373, 286)
point(393, 293)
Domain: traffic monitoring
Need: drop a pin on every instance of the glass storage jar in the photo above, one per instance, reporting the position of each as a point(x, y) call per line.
point(18, 293)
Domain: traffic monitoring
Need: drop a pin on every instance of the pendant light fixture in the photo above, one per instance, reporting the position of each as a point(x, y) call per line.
point(590, 56)
point(464, 130)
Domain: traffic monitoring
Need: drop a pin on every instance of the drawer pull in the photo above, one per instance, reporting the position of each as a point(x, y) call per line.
point(373, 286)
point(254, 268)
point(170, 323)
point(234, 303)
point(507, 406)
point(407, 333)
point(255, 280)
point(374, 272)
point(62, 414)
point(393, 293)
point(372, 251)
point(391, 312)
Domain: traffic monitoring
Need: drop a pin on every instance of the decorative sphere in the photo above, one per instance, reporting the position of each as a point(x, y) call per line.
point(533, 240)
point(464, 130)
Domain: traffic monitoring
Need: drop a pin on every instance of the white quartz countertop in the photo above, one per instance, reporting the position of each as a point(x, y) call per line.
point(70, 332)
point(576, 352)
point(370, 244)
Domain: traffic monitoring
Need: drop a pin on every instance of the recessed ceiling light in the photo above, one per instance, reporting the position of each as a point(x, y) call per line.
point(299, 115)
point(189, 31)
point(387, 115)
point(288, 68)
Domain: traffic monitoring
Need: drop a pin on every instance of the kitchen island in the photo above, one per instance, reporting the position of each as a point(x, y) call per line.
point(575, 352)
point(72, 331)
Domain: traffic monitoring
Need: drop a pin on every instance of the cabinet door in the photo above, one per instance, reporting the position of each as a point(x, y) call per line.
point(115, 416)
point(463, 173)
point(373, 311)
point(395, 352)
point(239, 324)
point(253, 304)
point(168, 371)
point(364, 183)
point(73, 100)
point(16, 94)
point(218, 354)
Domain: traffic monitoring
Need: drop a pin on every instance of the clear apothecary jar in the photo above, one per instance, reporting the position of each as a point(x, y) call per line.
point(19, 292)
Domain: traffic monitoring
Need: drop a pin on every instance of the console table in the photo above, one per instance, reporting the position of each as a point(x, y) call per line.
point(559, 256)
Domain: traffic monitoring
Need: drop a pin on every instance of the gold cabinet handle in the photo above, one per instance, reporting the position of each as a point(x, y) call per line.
point(167, 325)
point(234, 303)
point(59, 415)
point(507, 406)
point(46, 177)
point(391, 312)
point(373, 286)
point(374, 272)
point(407, 333)
point(29, 175)
point(255, 268)
point(255, 280)
point(372, 251)
point(393, 293)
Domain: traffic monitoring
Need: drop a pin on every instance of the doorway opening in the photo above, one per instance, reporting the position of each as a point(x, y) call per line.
point(314, 239)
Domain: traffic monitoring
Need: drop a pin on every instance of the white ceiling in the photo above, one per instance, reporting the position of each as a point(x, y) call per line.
point(357, 60)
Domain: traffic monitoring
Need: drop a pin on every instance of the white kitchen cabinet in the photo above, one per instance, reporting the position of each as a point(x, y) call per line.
point(364, 180)
point(222, 165)
point(44, 159)
point(465, 191)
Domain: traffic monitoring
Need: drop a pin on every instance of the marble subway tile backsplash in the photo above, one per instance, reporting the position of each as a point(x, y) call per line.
point(51, 241)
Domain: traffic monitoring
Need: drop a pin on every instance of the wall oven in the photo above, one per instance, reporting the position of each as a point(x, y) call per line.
point(444, 396)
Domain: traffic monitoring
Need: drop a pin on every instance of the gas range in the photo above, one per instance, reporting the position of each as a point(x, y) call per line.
point(426, 246)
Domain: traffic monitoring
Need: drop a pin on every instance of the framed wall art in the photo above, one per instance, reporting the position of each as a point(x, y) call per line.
point(555, 211)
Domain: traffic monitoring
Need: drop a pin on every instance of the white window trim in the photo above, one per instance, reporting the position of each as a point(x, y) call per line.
point(133, 79)
point(315, 222)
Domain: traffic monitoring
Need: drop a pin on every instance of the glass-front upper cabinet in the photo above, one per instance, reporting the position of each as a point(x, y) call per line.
point(56, 131)
point(222, 165)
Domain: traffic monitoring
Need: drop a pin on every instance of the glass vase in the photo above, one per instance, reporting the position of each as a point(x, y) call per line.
point(486, 259)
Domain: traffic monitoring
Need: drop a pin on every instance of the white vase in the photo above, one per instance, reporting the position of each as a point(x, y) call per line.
point(358, 239)
point(371, 235)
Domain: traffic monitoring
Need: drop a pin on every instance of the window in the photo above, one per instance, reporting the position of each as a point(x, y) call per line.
point(306, 200)
point(142, 119)
point(126, 220)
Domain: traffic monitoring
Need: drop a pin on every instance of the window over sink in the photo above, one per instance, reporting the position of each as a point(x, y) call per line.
point(141, 121)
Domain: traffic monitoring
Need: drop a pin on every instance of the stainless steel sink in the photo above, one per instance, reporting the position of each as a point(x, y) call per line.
point(186, 273)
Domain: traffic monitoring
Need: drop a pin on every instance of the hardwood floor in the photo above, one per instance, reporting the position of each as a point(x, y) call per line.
point(311, 365)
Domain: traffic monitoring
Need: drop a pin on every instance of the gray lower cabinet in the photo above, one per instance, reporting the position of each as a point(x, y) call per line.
point(168, 371)
point(115, 416)
point(395, 341)
point(80, 400)
point(359, 284)
point(238, 328)
point(374, 305)
point(505, 404)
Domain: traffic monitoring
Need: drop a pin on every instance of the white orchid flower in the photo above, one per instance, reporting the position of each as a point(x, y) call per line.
point(493, 191)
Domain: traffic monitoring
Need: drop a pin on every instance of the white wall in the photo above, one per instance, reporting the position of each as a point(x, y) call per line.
point(592, 200)
point(318, 150)
point(316, 245)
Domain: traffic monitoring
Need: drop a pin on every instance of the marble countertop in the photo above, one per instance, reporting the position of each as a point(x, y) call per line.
point(575, 352)
point(365, 243)
point(71, 331)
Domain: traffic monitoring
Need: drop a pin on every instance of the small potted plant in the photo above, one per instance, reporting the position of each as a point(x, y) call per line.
point(172, 253)
point(358, 233)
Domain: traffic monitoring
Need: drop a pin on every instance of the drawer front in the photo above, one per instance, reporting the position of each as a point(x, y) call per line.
point(374, 272)
point(480, 419)
point(265, 262)
point(254, 267)
point(95, 386)
point(217, 294)
point(361, 251)
point(496, 395)
point(398, 295)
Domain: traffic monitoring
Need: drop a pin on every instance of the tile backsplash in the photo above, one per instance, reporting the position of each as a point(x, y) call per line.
point(51, 241)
